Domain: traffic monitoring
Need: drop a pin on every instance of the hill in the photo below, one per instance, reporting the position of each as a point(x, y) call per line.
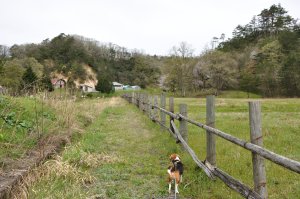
point(262, 57)
point(78, 60)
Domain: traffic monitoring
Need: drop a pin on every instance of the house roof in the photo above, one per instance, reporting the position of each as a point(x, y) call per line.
point(117, 84)
point(86, 85)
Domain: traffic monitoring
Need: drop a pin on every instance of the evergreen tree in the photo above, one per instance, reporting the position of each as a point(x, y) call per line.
point(29, 79)
point(104, 85)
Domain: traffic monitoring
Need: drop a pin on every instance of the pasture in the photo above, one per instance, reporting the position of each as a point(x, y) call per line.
point(280, 126)
point(119, 152)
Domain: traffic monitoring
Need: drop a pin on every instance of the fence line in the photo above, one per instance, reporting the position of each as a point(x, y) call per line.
point(258, 152)
point(210, 169)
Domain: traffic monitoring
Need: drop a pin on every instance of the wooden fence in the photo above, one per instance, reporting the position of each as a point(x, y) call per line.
point(149, 105)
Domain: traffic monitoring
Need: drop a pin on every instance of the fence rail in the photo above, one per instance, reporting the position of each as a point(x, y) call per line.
point(144, 102)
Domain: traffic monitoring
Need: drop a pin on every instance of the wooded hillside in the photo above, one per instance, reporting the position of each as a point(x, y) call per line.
point(262, 57)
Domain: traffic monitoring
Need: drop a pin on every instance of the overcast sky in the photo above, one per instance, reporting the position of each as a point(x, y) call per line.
point(150, 25)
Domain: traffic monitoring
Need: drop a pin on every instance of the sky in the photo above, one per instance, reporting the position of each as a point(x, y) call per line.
point(153, 26)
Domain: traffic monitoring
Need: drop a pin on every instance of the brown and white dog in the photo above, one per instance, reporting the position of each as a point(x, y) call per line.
point(175, 171)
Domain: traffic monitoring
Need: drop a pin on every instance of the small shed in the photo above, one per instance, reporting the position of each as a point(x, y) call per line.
point(118, 86)
point(87, 88)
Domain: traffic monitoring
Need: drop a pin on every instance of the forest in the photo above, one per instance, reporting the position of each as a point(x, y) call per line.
point(262, 57)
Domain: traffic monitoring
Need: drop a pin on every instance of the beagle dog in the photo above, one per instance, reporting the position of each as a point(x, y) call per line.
point(175, 171)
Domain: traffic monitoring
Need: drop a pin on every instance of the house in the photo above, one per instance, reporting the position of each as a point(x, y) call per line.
point(87, 88)
point(118, 86)
point(58, 83)
point(128, 87)
point(136, 87)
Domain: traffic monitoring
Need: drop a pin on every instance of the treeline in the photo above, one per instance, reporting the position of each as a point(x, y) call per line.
point(68, 54)
point(273, 40)
point(263, 57)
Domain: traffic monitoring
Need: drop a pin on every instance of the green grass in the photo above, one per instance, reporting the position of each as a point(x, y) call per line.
point(237, 94)
point(18, 125)
point(136, 157)
point(280, 125)
point(122, 154)
point(24, 121)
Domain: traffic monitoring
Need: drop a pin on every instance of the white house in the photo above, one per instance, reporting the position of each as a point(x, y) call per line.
point(118, 86)
point(136, 87)
point(87, 88)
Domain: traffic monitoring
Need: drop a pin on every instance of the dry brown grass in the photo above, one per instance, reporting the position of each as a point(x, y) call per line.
point(74, 115)
point(94, 160)
point(58, 168)
point(49, 171)
point(71, 116)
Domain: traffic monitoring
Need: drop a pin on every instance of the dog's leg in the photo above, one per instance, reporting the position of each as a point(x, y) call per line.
point(176, 188)
point(170, 187)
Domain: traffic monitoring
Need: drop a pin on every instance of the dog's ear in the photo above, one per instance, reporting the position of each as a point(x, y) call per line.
point(173, 156)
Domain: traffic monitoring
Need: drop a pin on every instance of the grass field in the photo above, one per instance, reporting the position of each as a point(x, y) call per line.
point(120, 153)
point(280, 126)
point(124, 155)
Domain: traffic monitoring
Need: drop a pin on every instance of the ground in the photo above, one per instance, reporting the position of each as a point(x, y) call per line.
point(121, 153)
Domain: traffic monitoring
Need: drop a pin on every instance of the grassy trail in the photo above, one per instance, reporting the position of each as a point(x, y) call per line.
point(121, 155)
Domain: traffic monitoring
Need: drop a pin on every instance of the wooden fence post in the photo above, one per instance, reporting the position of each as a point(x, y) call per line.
point(146, 107)
point(135, 98)
point(162, 114)
point(183, 123)
point(210, 138)
point(171, 109)
point(141, 101)
point(150, 106)
point(155, 112)
point(259, 173)
point(132, 98)
point(138, 100)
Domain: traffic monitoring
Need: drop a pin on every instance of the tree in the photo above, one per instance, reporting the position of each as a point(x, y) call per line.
point(290, 71)
point(29, 79)
point(144, 73)
point(249, 81)
point(180, 66)
point(12, 75)
point(290, 75)
point(4, 54)
point(221, 69)
point(104, 84)
point(269, 61)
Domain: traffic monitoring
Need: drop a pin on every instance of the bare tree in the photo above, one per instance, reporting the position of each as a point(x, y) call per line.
point(180, 68)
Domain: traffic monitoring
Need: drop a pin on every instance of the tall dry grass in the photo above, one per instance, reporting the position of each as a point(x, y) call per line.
point(71, 117)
